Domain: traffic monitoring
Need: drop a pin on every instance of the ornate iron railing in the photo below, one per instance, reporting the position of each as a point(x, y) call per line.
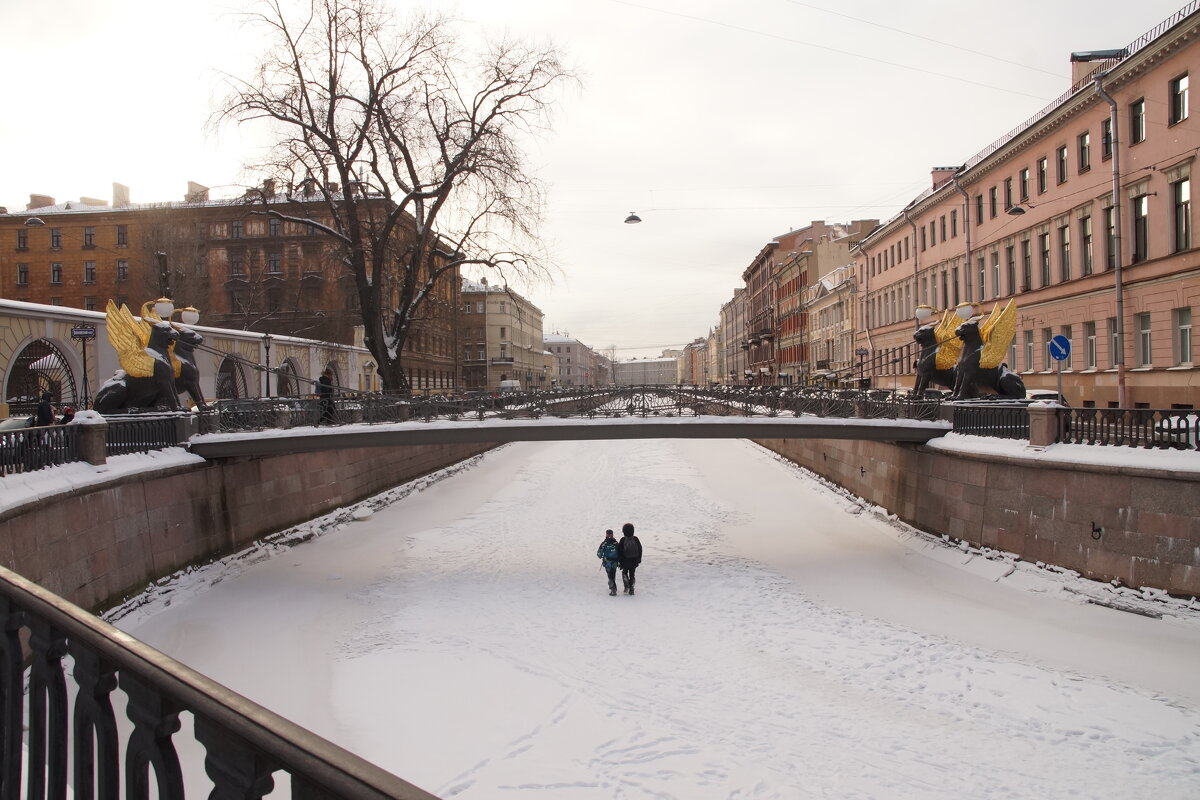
point(1174, 429)
point(29, 449)
point(46, 739)
point(140, 434)
point(1006, 421)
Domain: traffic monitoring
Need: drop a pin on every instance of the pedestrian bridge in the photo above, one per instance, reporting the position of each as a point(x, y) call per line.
point(643, 413)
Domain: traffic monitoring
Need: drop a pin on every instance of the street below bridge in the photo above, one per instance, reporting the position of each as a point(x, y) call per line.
point(785, 641)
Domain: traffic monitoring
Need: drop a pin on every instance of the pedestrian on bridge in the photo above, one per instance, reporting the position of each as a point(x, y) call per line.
point(629, 553)
point(607, 553)
point(325, 395)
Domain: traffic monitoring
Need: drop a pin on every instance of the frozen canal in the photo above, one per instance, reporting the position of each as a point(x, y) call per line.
point(784, 643)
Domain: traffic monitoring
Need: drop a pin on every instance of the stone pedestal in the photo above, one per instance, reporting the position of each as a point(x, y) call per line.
point(1043, 425)
point(93, 436)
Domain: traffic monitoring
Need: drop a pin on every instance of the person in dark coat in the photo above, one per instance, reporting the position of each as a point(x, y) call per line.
point(629, 554)
point(45, 411)
point(607, 553)
point(325, 394)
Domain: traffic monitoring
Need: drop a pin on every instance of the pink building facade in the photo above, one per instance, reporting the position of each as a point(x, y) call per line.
point(1032, 218)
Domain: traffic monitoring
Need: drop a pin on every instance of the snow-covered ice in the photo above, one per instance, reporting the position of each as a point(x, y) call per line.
point(786, 641)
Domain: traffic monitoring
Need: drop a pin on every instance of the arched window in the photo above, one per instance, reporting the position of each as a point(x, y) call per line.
point(39, 367)
point(231, 382)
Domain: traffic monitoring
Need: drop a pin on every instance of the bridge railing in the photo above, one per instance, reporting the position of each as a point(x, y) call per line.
point(1164, 429)
point(47, 739)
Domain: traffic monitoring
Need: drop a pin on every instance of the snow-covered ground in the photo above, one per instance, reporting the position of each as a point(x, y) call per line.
point(785, 641)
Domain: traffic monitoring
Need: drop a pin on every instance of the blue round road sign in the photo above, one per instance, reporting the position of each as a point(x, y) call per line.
point(1060, 347)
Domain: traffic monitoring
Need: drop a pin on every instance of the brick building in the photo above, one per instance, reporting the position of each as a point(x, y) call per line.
point(1082, 215)
point(242, 269)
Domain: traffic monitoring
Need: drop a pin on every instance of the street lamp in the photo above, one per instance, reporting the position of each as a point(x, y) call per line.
point(861, 353)
point(632, 219)
point(924, 313)
point(267, 346)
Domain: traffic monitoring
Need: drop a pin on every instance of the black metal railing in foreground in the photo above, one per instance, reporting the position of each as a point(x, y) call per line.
point(140, 434)
point(80, 742)
point(29, 449)
point(1003, 421)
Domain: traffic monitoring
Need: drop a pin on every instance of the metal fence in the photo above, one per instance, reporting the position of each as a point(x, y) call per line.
point(140, 434)
point(1166, 429)
point(48, 739)
point(30, 449)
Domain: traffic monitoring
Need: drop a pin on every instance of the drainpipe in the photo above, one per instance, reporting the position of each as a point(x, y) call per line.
point(966, 230)
point(916, 258)
point(1116, 190)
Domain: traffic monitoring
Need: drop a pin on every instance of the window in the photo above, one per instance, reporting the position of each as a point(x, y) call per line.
point(1041, 176)
point(89, 303)
point(1137, 121)
point(89, 272)
point(932, 233)
point(1029, 366)
point(978, 209)
point(1026, 266)
point(1106, 138)
point(1114, 343)
point(237, 267)
point(1068, 363)
point(1060, 164)
point(89, 237)
point(1179, 99)
point(1085, 241)
point(1010, 265)
point(56, 238)
point(954, 284)
point(56, 301)
point(1064, 252)
point(479, 307)
point(922, 237)
point(1181, 214)
point(995, 274)
point(122, 270)
point(22, 240)
point(1110, 238)
point(982, 278)
point(122, 236)
point(1023, 183)
point(943, 227)
point(1047, 335)
point(273, 263)
point(1085, 151)
point(235, 229)
point(56, 272)
point(1143, 341)
point(504, 333)
point(1044, 252)
point(1183, 336)
point(1141, 213)
point(501, 306)
point(1089, 345)
point(953, 223)
point(992, 202)
point(22, 274)
point(273, 227)
point(1008, 195)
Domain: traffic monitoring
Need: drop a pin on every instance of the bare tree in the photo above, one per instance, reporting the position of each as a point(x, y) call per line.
point(400, 149)
point(173, 256)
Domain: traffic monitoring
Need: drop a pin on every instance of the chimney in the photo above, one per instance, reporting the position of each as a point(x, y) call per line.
point(196, 193)
point(942, 174)
point(39, 201)
point(120, 195)
point(1084, 63)
point(92, 201)
point(269, 189)
point(331, 187)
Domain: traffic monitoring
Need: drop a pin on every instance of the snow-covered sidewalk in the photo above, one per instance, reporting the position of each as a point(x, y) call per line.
point(784, 642)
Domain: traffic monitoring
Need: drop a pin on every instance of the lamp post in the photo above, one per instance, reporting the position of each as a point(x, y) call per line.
point(861, 353)
point(267, 346)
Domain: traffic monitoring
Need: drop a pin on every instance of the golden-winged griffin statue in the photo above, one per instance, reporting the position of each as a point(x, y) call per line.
point(967, 357)
point(149, 368)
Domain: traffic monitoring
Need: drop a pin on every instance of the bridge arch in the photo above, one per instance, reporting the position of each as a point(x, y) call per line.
point(231, 380)
point(287, 379)
point(42, 365)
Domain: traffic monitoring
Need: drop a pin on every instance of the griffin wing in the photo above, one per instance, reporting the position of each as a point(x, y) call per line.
point(949, 345)
point(129, 336)
point(997, 334)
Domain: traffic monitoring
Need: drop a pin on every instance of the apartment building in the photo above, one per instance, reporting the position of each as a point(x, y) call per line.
point(501, 338)
point(1081, 215)
point(240, 268)
point(576, 364)
point(735, 346)
point(647, 372)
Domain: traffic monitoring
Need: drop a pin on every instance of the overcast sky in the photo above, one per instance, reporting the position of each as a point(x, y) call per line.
point(721, 124)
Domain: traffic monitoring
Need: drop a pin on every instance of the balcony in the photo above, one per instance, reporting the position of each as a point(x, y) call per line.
point(502, 360)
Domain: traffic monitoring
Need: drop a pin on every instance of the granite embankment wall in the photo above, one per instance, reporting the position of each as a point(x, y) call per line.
point(1149, 519)
point(95, 545)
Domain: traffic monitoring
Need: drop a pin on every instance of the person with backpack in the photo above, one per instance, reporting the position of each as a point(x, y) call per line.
point(629, 554)
point(607, 553)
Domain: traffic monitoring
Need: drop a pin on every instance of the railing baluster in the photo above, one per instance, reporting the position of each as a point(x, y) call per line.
point(97, 771)
point(47, 713)
point(237, 771)
point(155, 720)
point(12, 700)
